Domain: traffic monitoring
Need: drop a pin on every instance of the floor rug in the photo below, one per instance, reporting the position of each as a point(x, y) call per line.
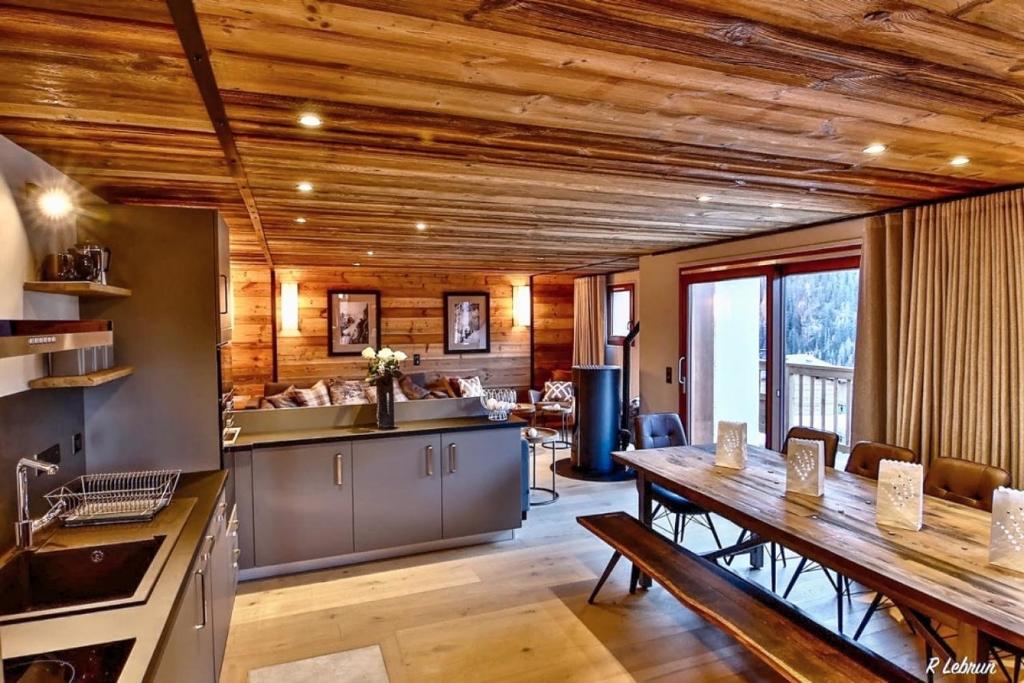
point(363, 665)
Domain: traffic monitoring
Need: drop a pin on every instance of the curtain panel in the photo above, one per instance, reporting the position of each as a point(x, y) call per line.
point(589, 333)
point(940, 358)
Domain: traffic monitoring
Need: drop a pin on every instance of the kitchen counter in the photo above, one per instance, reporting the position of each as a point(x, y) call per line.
point(147, 623)
point(361, 432)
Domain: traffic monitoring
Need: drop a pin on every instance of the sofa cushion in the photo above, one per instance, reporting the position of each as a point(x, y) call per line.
point(557, 391)
point(316, 395)
point(347, 392)
point(441, 387)
point(371, 393)
point(285, 399)
point(470, 387)
point(412, 390)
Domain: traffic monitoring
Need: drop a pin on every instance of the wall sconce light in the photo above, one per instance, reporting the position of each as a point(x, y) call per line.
point(521, 305)
point(289, 306)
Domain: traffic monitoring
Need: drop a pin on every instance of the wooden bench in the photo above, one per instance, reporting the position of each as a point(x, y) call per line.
point(789, 641)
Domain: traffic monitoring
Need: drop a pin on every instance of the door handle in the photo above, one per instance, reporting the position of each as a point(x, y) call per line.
point(453, 458)
point(680, 375)
point(339, 470)
point(430, 461)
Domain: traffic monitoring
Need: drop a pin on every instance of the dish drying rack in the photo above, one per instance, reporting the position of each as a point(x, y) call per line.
point(114, 498)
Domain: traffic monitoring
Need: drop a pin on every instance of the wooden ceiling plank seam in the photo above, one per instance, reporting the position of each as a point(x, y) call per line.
point(186, 23)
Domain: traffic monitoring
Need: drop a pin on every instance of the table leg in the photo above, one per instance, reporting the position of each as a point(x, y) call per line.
point(975, 646)
point(643, 490)
point(533, 453)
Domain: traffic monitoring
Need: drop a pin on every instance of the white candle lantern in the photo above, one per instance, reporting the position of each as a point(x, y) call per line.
point(731, 449)
point(900, 495)
point(805, 467)
point(1006, 547)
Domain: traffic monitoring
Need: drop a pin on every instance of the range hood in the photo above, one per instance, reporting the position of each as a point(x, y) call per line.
point(30, 337)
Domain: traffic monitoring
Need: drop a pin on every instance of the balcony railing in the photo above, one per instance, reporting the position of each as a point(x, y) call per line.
point(819, 396)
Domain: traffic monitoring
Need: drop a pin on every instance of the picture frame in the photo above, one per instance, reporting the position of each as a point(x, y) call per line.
point(353, 321)
point(467, 322)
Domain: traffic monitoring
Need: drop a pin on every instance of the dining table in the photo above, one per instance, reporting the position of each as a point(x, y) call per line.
point(940, 573)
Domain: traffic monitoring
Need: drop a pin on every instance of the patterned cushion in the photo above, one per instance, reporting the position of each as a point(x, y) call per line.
point(412, 390)
point(557, 391)
point(470, 387)
point(371, 393)
point(441, 388)
point(348, 392)
point(286, 399)
point(316, 395)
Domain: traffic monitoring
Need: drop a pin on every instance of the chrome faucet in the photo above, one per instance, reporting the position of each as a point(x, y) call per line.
point(25, 527)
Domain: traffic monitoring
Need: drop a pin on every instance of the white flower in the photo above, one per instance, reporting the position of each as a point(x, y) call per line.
point(369, 353)
point(385, 354)
point(400, 356)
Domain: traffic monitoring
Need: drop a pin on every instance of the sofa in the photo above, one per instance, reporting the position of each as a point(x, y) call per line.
point(411, 387)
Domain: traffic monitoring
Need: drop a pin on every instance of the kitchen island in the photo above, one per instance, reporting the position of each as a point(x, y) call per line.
point(324, 496)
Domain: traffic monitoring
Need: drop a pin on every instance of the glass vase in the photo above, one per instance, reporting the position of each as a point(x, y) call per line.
point(385, 404)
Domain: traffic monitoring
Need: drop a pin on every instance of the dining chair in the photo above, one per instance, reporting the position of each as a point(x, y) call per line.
point(863, 461)
point(777, 553)
point(661, 430)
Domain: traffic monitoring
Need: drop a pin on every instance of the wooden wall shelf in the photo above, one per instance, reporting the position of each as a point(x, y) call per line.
point(93, 379)
point(81, 288)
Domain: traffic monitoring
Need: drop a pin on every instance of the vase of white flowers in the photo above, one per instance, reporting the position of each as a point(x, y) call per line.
point(382, 372)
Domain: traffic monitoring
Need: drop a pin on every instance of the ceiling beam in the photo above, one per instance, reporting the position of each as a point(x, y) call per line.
point(186, 23)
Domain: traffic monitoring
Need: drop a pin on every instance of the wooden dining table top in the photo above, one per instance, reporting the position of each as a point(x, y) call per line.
point(941, 570)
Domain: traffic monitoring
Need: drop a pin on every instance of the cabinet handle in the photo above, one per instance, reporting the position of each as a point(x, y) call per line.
point(224, 300)
point(430, 461)
point(453, 458)
point(339, 470)
point(201, 573)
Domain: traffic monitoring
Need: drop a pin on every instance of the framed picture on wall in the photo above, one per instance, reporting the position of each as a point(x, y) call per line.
point(467, 322)
point(353, 321)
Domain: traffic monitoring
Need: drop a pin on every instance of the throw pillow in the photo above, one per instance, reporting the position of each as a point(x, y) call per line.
point(412, 390)
point(347, 392)
point(557, 392)
point(471, 387)
point(371, 393)
point(441, 388)
point(286, 399)
point(316, 395)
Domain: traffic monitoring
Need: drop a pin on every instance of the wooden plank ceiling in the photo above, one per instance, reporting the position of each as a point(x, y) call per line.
point(527, 135)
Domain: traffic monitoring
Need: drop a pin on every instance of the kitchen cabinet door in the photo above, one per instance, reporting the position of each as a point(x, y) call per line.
point(302, 502)
point(481, 482)
point(188, 655)
point(397, 491)
point(223, 579)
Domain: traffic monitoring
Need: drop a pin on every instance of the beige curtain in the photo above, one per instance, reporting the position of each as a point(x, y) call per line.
point(940, 334)
point(589, 334)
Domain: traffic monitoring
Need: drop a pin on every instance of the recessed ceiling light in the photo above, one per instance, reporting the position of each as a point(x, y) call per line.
point(300, 219)
point(55, 203)
point(420, 225)
point(310, 120)
point(304, 187)
point(776, 205)
point(875, 148)
point(369, 253)
point(704, 198)
point(959, 160)
point(357, 264)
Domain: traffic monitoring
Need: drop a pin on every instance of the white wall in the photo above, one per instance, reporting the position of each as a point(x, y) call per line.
point(658, 296)
point(24, 240)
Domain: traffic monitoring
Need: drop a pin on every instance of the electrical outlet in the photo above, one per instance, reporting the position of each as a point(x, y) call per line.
point(668, 374)
point(415, 359)
point(76, 443)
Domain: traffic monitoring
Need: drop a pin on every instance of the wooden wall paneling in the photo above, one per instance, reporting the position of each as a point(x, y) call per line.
point(552, 325)
point(252, 360)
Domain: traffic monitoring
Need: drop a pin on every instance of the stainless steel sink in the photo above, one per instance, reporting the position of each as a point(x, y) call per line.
point(96, 663)
point(35, 581)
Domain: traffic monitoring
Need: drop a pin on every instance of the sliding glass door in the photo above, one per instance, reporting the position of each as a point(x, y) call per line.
point(770, 346)
point(723, 366)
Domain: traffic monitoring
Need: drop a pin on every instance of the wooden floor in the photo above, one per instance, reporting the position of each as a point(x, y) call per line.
point(517, 611)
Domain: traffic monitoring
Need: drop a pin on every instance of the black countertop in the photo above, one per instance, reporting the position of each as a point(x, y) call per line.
point(147, 623)
point(361, 432)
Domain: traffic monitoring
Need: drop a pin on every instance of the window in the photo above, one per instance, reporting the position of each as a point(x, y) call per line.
point(620, 313)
